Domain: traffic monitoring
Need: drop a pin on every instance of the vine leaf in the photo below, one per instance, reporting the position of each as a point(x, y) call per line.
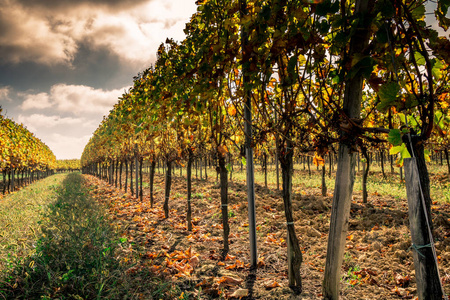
point(441, 13)
point(402, 150)
point(395, 137)
point(388, 95)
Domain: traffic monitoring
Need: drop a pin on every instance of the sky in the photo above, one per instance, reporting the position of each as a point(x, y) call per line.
point(65, 63)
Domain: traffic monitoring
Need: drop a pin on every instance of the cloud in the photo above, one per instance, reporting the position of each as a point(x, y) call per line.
point(38, 101)
point(112, 5)
point(66, 146)
point(4, 94)
point(50, 32)
point(66, 136)
point(27, 37)
point(36, 122)
point(77, 100)
point(80, 99)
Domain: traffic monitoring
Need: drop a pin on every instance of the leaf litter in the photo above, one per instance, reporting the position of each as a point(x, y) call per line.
point(377, 261)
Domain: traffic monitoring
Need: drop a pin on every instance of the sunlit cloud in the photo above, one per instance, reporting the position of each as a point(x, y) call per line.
point(80, 99)
point(76, 100)
point(46, 35)
point(38, 101)
point(37, 122)
point(26, 36)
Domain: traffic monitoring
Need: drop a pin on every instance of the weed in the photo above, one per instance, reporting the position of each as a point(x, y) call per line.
point(353, 277)
point(198, 196)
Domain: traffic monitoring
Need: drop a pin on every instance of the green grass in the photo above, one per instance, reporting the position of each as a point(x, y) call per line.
point(75, 254)
point(377, 185)
point(20, 213)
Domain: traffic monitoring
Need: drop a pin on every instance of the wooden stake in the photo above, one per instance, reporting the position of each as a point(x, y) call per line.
point(427, 274)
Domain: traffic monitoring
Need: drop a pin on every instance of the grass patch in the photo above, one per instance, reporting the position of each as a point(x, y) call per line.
point(77, 254)
point(377, 185)
point(21, 212)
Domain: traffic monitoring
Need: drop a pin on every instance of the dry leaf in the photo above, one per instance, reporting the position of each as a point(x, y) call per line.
point(271, 285)
point(362, 248)
point(229, 281)
point(402, 281)
point(239, 293)
point(194, 261)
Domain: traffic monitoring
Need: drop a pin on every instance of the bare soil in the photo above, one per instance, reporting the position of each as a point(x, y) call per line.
point(378, 261)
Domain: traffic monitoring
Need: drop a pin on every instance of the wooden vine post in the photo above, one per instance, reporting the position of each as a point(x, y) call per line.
point(168, 183)
point(246, 61)
point(345, 174)
point(136, 162)
point(427, 274)
point(189, 189)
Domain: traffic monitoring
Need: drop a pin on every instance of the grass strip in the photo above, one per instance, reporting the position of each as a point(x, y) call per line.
point(20, 213)
point(76, 255)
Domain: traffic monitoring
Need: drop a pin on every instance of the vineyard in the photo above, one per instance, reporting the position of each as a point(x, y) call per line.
point(281, 79)
point(377, 260)
point(23, 157)
point(205, 163)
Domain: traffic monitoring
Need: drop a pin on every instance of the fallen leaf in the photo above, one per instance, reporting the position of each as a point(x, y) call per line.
point(202, 283)
point(230, 257)
point(194, 261)
point(229, 281)
point(271, 285)
point(239, 293)
point(261, 263)
point(402, 281)
point(362, 248)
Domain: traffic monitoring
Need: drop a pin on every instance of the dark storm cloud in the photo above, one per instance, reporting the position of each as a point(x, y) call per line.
point(88, 68)
point(50, 32)
point(112, 5)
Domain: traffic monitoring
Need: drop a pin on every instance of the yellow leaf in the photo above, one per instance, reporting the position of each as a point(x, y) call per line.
point(222, 149)
point(318, 160)
point(231, 110)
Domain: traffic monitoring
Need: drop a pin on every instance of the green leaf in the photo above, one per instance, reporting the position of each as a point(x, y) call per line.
point(402, 118)
point(419, 12)
point(419, 58)
point(395, 150)
point(436, 69)
point(441, 13)
point(336, 79)
point(291, 65)
point(439, 120)
point(244, 161)
point(426, 154)
point(402, 150)
point(382, 35)
point(386, 8)
point(265, 12)
point(327, 7)
point(395, 137)
point(362, 64)
point(323, 27)
point(388, 95)
point(410, 102)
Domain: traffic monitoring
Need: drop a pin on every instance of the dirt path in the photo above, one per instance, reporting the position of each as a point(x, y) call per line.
point(377, 264)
